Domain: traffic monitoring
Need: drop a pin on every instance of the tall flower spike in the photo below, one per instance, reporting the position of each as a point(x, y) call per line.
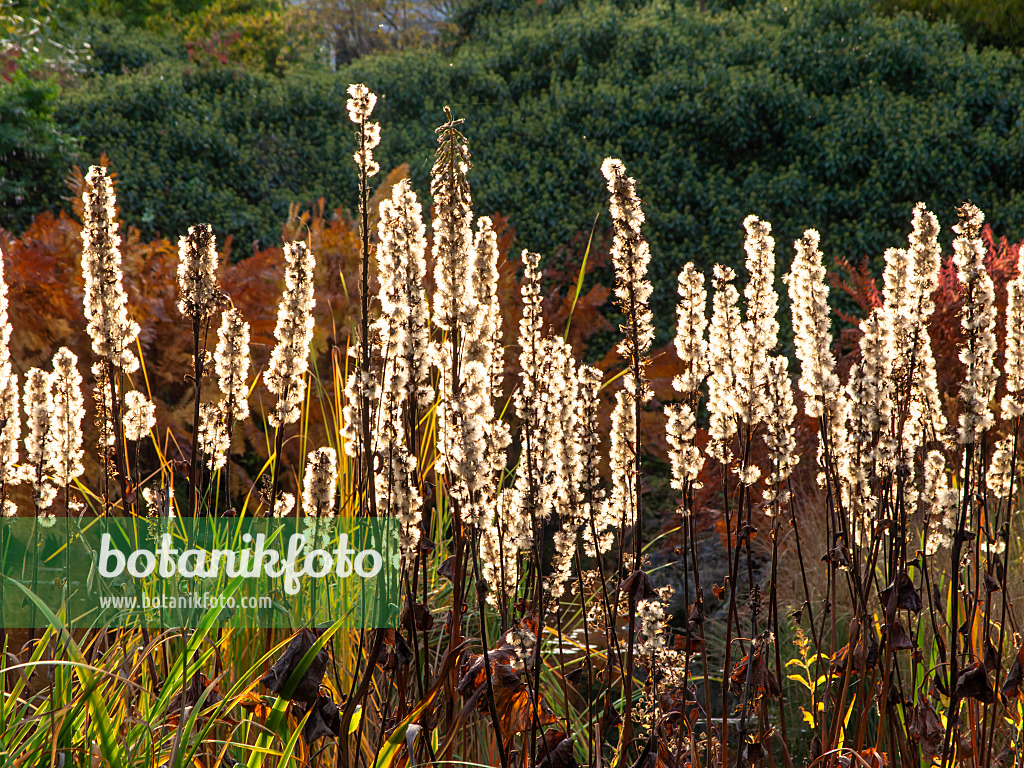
point(113, 333)
point(630, 256)
point(1013, 401)
point(139, 415)
point(779, 437)
point(63, 452)
point(232, 363)
point(197, 273)
point(10, 409)
point(453, 250)
point(926, 420)
point(286, 371)
point(622, 463)
point(978, 319)
point(402, 266)
point(812, 326)
point(761, 329)
point(726, 345)
point(692, 323)
point(359, 106)
point(319, 484)
point(38, 407)
point(213, 434)
point(525, 501)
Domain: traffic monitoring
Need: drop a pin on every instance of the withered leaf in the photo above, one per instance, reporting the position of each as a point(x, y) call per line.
point(324, 719)
point(192, 693)
point(637, 586)
point(899, 638)
point(907, 597)
point(973, 683)
point(417, 615)
point(308, 686)
point(447, 569)
point(555, 750)
point(1011, 686)
point(925, 727)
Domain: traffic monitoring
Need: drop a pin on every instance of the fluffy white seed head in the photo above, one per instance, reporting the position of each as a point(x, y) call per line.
point(286, 371)
point(213, 434)
point(691, 327)
point(38, 408)
point(1013, 402)
point(231, 359)
point(359, 106)
point(139, 415)
point(812, 325)
point(197, 273)
point(630, 257)
point(63, 453)
point(319, 484)
point(978, 319)
point(726, 346)
point(113, 333)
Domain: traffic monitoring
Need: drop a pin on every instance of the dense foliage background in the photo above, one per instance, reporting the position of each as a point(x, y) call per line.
point(837, 114)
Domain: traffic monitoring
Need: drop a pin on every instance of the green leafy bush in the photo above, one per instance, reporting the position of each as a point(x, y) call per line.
point(833, 115)
point(34, 151)
point(986, 22)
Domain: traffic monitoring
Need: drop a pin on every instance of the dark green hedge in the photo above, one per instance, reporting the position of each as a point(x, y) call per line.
point(808, 113)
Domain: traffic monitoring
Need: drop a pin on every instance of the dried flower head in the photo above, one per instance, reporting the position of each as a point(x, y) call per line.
point(113, 333)
point(232, 363)
point(139, 415)
point(630, 256)
point(63, 452)
point(359, 106)
point(978, 319)
point(319, 483)
point(286, 371)
point(197, 273)
point(38, 408)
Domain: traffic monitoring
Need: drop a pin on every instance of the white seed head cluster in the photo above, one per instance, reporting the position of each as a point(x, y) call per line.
point(38, 407)
point(213, 434)
point(779, 435)
point(499, 550)
point(941, 503)
point(1000, 472)
point(621, 505)
point(978, 319)
point(812, 326)
point(286, 371)
point(630, 257)
point(197, 273)
point(691, 327)
point(232, 363)
point(726, 345)
point(139, 415)
point(761, 329)
point(396, 479)
point(453, 246)
point(584, 492)
point(113, 333)
point(681, 431)
point(359, 106)
point(320, 483)
point(405, 312)
point(650, 614)
point(63, 452)
point(10, 408)
point(1013, 401)
point(911, 276)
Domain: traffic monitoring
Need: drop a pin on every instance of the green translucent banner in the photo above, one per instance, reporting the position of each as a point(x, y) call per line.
point(174, 572)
